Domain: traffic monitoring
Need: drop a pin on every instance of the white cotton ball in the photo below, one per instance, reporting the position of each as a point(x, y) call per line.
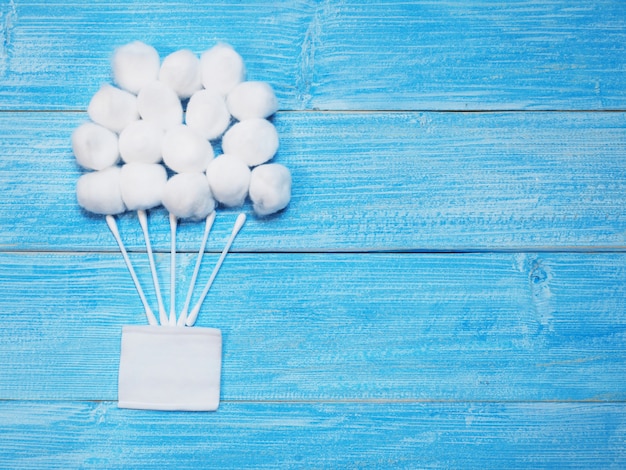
point(252, 100)
point(181, 72)
point(229, 179)
point(222, 68)
point(100, 191)
point(142, 185)
point(255, 141)
point(270, 188)
point(94, 146)
point(184, 150)
point(113, 108)
point(135, 65)
point(159, 104)
point(140, 141)
point(187, 196)
point(207, 114)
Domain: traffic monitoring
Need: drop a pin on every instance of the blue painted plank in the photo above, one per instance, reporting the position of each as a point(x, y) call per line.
point(416, 327)
point(37, 435)
point(364, 182)
point(55, 54)
point(349, 55)
point(468, 55)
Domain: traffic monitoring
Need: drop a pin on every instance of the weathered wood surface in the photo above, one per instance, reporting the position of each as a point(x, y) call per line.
point(446, 289)
point(365, 182)
point(315, 435)
point(456, 55)
point(415, 327)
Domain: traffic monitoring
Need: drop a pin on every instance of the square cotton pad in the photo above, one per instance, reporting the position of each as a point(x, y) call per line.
point(170, 368)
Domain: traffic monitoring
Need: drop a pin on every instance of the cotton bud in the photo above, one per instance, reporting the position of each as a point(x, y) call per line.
point(181, 72)
point(252, 100)
point(159, 104)
point(135, 65)
point(187, 196)
point(222, 68)
point(94, 146)
point(113, 108)
point(229, 179)
point(140, 141)
point(142, 185)
point(207, 114)
point(184, 150)
point(255, 141)
point(270, 188)
point(99, 191)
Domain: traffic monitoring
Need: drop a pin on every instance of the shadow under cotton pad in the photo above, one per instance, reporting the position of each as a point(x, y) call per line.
point(170, 368)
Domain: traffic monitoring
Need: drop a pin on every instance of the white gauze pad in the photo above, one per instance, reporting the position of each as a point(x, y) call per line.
point(252, 100)
point(222, 68)
point(141, 141)
point(181, 72)
point(94, 146)
point(188, 196)
point(184, 150)
point(113, 108)
point(170, 368)
point(207, 114)
point(159, 104)
point(255, 141)
point(229, 179)
point(99, 191)
point(135, 65)
point(142, 185)
point(270, 188)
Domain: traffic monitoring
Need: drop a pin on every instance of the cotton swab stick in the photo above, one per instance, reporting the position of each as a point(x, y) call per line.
point(173, 224)
point(143, 221)
point(110, 220)
point(207, 228)
point(241, 218)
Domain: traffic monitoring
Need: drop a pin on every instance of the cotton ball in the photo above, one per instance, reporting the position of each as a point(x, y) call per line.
point(181, 72)
point(187, 196)
point(159, 104)
point(94, 146)
point(229, 179)
point(222, 68)
point(184, 150)
point(252, 100)
point(140, 141)
point(142, 185)
point(207, 114)
point(135, 65)
point(113, 108)
point(100, 191)
point(255, 141)
point(270, 188)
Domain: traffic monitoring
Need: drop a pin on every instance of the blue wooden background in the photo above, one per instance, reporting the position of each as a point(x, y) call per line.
point(447, 288)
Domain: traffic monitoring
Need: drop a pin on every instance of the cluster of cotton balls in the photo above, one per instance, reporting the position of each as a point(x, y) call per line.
point(141, 122)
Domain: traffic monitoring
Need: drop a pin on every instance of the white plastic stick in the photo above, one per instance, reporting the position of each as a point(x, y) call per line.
point(207, 228)
point(173, 224)
point(116, 234)
point(241, 218)
point(143, 221)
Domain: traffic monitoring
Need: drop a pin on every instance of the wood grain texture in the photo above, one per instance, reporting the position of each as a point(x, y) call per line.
point(314, 435)
point(364, 182)
point(344, 55)
point(56, 54)
point(461, 55)
point(465, 327)
point(447, 288)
